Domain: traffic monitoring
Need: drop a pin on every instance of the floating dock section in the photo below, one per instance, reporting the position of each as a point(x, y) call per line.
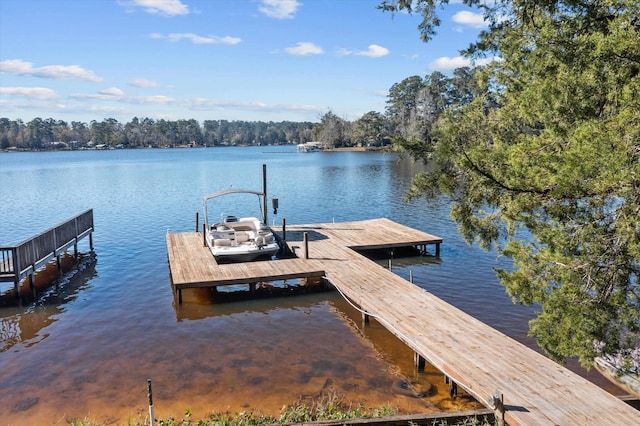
point(522, 386)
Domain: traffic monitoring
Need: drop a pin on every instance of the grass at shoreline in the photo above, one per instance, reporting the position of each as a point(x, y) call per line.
point(328, 410)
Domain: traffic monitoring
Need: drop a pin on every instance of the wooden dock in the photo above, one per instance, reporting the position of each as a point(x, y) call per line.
point(25, 258)
point(479, 359)
point(193, 266)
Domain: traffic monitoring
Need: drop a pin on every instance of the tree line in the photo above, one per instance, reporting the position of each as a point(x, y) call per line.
point(412, 106)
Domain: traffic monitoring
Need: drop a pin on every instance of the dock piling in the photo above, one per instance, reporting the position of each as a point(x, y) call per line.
point(496, 403)
point(418, 362)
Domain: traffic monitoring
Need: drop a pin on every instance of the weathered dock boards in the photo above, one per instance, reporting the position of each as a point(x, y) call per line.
point(536, 390)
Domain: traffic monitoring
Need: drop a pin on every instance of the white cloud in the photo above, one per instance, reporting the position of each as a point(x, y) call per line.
point(112, 91)
point(445, 63)
point(29, 92)
point(58, 72)
point(280, 9)
point(304, 48)
point(470, 19)
point(374, 51)
point(159, 7)
point(144, 83)
point(196, 39)
point(115, 94)
point(155, 100)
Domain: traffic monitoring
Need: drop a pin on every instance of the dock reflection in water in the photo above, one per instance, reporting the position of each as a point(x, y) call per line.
point(26, 324)
point(371, 366)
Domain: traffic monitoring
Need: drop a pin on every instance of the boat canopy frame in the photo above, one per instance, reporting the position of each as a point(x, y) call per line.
point(261, 199)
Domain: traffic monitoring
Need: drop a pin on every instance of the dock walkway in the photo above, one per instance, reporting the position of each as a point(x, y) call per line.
point(483, 361)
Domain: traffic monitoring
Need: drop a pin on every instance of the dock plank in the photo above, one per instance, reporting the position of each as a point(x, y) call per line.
point(480, 359)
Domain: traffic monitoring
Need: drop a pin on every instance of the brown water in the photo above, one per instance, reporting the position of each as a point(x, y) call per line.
point(255, 355)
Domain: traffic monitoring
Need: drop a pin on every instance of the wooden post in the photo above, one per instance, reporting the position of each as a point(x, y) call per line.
point(453, 386)
point(365, 319)
point(306, 245)
point(418, 362)
point(410, 276)
point(496, 403)
point(284, 229)
point(91, 241)
point(197, 221)
point(32, 283)
point(264, 194)
point(204, 235)
point(151, 419)
point(16, 271)
point(437, 249)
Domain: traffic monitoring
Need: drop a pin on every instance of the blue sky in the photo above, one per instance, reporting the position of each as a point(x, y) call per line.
point(253, 60)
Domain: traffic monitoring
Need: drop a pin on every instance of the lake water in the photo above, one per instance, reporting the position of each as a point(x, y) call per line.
point(87, 347)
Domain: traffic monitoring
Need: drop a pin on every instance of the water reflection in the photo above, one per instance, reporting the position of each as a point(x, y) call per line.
point(199, 303)
point(25, 325)
point(367, 363)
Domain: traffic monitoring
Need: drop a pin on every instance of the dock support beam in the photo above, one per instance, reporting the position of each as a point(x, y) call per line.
point(306, 245)
point(453, 386)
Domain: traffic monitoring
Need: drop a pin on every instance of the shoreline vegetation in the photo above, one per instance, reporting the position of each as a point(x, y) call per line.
point(327, 410)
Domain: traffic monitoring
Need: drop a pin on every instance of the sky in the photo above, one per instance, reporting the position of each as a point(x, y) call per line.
point(251, 60)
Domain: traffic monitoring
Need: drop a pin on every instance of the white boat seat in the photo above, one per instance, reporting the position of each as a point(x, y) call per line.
point(265, 235)
point(222, 242)
point(242, 237)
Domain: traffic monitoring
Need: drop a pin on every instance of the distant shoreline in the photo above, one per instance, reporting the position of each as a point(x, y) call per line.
point(339, 149)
